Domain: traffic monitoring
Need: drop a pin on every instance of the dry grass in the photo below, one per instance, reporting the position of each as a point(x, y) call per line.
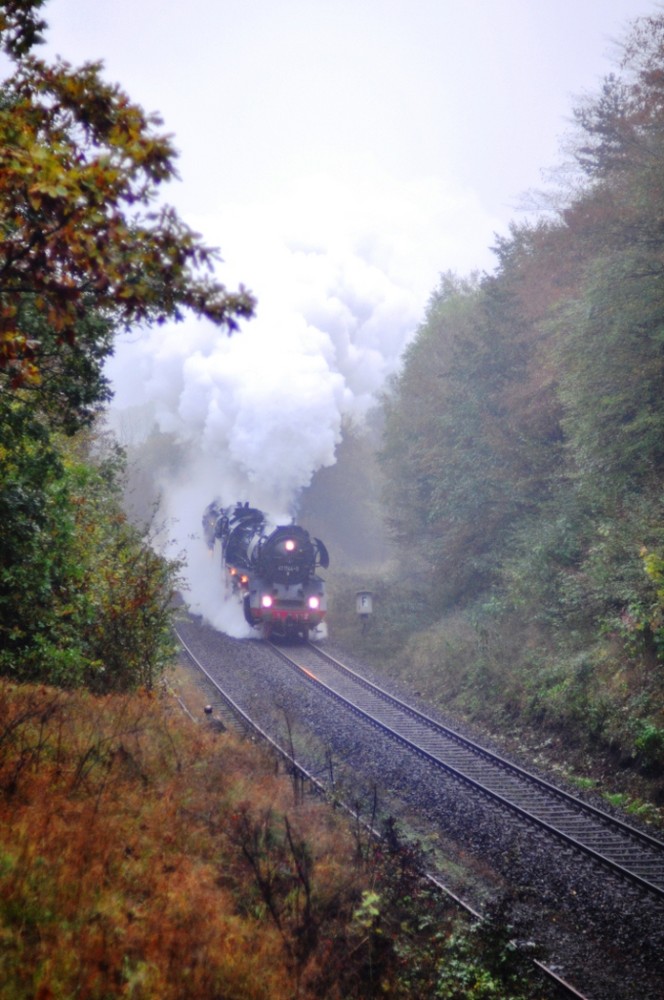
point(125, 856)
point(145, 856)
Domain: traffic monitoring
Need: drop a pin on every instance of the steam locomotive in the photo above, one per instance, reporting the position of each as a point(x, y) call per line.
point(272, 569)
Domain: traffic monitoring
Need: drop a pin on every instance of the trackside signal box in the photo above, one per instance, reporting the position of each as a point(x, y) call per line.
point(364, 603)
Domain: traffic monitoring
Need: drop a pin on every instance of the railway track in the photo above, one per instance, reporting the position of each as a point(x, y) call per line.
point(225, 700)
point(634, 855)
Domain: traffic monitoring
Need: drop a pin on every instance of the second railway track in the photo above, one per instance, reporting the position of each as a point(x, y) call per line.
point(633, 854)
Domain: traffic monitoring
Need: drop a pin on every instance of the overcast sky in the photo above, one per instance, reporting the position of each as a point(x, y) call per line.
point(343, 153)
point(453, 107)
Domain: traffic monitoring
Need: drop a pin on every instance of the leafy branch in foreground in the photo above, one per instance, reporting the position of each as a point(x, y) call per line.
point(81, 227)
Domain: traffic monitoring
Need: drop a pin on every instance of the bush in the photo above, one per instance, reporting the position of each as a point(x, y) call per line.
point(84, 599)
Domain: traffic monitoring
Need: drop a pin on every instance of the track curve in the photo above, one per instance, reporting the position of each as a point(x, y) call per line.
point(631, 853)
point(564, 987)
point(600, 932)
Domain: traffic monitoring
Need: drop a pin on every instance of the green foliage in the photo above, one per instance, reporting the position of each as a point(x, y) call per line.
point(653, 564)
point(399, 609)
point(124, 589)
point(428, 421)
point(524, 448)
point(80, 171)
point(37, 528)
point(472, 437)
point(611, 373)
point(72, 386)
point(84, 250)
point(83, 598)
point(416, 946)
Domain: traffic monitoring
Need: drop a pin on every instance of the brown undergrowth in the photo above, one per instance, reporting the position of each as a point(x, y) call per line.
point(145, 856)
point(127, 835)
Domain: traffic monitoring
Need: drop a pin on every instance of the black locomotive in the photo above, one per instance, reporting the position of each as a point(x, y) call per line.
point(273, 570)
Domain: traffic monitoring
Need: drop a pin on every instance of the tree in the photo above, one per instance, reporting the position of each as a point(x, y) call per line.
point(429, 452)
point(21, 25)
point(472, 441)
point(623, 124)
point(81, 230)
point(86, 249)
point(83, 598)
point(610, 343)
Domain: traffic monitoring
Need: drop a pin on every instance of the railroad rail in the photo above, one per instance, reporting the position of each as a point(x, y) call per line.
point(250, 725)
point(631, 853)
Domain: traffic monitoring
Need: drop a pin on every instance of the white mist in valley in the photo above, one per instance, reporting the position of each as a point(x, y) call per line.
point(341, 284)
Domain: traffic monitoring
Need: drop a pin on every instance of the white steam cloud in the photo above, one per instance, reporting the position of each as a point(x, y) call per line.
point(342, 276)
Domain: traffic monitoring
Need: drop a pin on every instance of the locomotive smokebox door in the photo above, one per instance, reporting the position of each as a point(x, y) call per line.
point(364, 603)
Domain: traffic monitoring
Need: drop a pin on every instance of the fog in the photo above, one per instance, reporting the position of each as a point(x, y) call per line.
point(254, 416)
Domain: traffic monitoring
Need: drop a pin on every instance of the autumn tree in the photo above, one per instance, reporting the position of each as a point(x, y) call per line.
point(87, 248)
point(81, 228)
point(524, 446)
point(611, 343)
point(472, 437)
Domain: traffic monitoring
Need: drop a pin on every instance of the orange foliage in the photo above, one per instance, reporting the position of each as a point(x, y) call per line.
point(117, 874)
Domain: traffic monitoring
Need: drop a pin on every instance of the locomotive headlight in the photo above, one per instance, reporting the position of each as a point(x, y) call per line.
point(266, 601)
point(289, 545)
point(314, 602)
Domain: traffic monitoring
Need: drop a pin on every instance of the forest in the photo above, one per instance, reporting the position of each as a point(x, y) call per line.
point(87, 249)
point(522, 452)
point(514, 464)
point(141, 854)
point(519, 448)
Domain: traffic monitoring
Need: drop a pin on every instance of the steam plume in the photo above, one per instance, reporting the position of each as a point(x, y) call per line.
point(341, 283)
